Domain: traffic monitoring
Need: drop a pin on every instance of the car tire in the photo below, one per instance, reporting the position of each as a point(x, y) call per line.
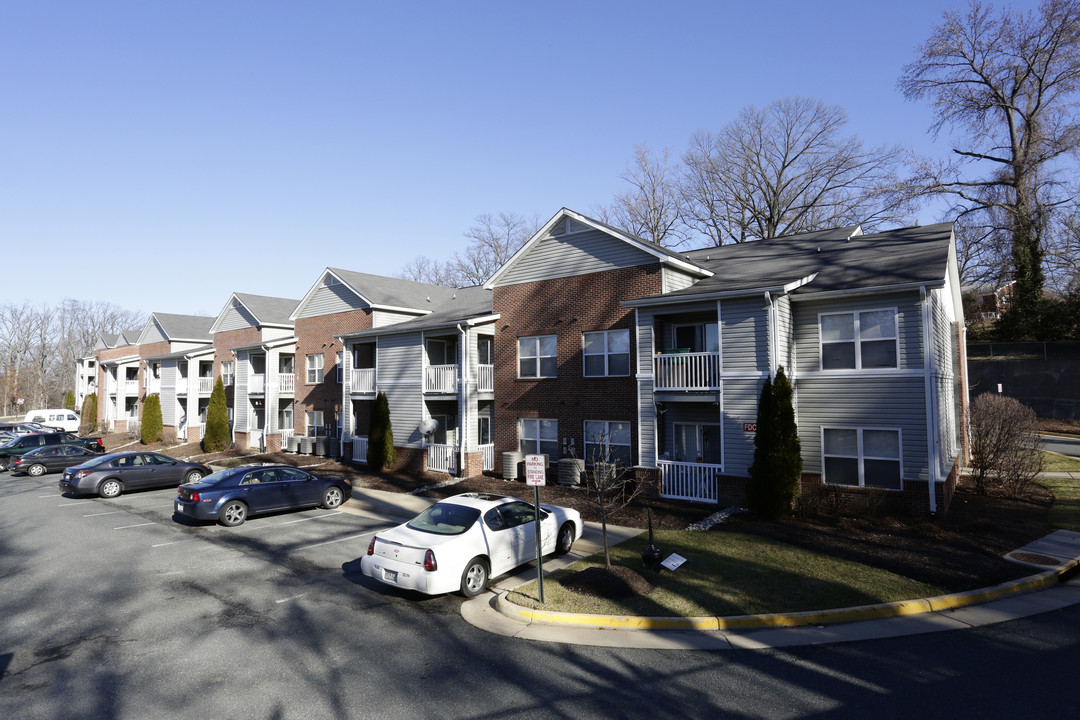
point(565, 540)
point(193, 476)
point(474, 579)
point(333, 497)
point(35, 470)
point(233, 513)
point(110, 488)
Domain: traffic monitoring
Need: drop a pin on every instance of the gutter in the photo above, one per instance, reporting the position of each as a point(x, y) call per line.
point(928, 398)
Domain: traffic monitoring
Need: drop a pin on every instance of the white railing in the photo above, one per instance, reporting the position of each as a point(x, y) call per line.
point(442, 458)
point(487, 452)
point(363, 380)
point(110, 387)
point(181, 385)
point(285, 435)
point(256, 384)
point(688, 481)
point(286, 383)
point(485, 378)
point(206, 384)
point(440, 378)
point(131, 387)
point(687, 371)
point(359, 448)
point(154, 386)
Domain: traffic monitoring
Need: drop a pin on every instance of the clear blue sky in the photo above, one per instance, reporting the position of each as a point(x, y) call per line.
point(160, 155)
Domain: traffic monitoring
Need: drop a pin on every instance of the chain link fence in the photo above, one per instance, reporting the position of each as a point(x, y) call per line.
point(1045, 376)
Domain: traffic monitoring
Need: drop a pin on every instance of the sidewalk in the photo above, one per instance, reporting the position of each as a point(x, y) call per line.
point(1050, 557)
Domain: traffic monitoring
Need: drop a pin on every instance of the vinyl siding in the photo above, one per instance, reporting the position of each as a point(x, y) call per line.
point(382, 318)
point(786, 351)
point(400, 361)
point(168, 393)
point(236, 318)
point(154, 334)
point(240, 397)
point(676, 280)
point(740, 406)
point(575, 254)
point(331, 299)
point(744, 340)
point(406, 413)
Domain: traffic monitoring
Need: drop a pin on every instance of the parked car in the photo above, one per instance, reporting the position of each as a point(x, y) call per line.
point(463, 541)
point(18, 428)
point(25, 443)
point(109, 475)
point(230, 496)
point(50, 458)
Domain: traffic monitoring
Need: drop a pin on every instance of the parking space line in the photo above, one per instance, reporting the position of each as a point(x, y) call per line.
point(83, 502)
point(245, 526)
point(331, 542)
point(294, 597)
point(125, 527)
point(111, 512)
point(174, 542)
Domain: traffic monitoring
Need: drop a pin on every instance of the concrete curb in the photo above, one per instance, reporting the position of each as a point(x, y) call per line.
point(941, 603)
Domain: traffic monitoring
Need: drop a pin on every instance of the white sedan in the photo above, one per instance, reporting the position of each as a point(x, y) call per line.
point(462, 541)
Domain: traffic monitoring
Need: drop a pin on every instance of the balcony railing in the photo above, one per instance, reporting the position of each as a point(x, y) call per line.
point(687, 371)
point(441, 378)
point(131, 387)
point(688, 481)
point(485, 378)
point(359, 448)
point(206, 384)
point(153, 386)
point(488, 455)
point(256, 384)
point(363, 380)
point(286, 383)
point(442, 458)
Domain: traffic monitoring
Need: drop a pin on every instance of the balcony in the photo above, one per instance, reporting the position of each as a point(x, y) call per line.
point(153, 385)
point(362, 381)
point(487, 454)
point(485, 378)
point(206, 385)
point(359, 448)
point(688, 480)
point(131, 387)
point(441, 378)
point(256, 384)
point(286, 383)
point(687, 371)
point(442, 458)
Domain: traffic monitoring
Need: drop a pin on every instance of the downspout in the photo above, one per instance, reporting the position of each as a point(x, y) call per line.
point(463, 412)
point(771, 333)
point(931, 416)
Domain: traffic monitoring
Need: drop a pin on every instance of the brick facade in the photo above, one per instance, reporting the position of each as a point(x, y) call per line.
point(315, 335)
point(565, 307)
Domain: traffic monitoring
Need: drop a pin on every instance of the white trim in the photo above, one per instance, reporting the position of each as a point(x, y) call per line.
point(857, 337)
point(862, 457)
point(606, 354)
point(537, 357)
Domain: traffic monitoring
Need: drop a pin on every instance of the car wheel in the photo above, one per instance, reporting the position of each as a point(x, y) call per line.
point(110, 489)
point(332, 497)
point(475, 578)
point(234, 513)
point(35, 470)
point(193, 476)
point(565, 541)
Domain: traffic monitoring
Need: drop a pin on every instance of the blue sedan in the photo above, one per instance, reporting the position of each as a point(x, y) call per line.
point(230, 496)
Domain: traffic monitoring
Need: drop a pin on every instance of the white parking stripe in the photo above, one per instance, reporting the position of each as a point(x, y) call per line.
point(294, 597)
point(331, 542)
point(84, 502)
point(111, 512)
point(174, 542)
point(125, 527)
point(287, 522)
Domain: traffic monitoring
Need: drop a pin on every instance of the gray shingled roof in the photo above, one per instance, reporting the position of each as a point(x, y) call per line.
point(269, 310)
point(464, 304)
point(395, 292)
point(892, 257)
point(180, 354)
point(185, 327)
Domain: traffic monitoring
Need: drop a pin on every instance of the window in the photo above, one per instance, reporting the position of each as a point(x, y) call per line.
point(700, 337)
point(483, 431)
point(314, 421)
point(285, 419)
point(861, 457)
point(537, 357)
point(227, 373)
point(859, 340)
point(340, 366)
point(314, 369)
point(698, 443)
point(607, 353)
point(538, 436)
point(607, 441)
point(485, 350)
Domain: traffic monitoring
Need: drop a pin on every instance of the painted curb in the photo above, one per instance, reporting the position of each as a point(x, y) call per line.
point(941, 603)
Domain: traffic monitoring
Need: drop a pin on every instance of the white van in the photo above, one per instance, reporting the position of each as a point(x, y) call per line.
point(65, 419)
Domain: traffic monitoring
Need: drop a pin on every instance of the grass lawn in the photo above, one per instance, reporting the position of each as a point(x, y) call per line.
point(1065, 512)
point(729, 574)
point(1053, 462)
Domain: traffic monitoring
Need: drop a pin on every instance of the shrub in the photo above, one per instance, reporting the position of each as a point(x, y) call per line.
point(381, 452)
point(151, 420)
point(774, 475)
point(69, 401)
point(89, 415)
point(1004, 444)
point(217, 436)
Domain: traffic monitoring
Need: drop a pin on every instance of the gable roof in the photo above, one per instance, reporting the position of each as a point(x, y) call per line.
point(466, 306)
point(181, 328)
point(661, 254)
point(382, 293)
point(826, 261)
point(267, 311)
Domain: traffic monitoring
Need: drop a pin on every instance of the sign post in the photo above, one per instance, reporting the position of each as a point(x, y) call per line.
point(534, 475)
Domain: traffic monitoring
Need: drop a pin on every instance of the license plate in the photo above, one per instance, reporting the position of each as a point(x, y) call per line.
point(390, 575)
point(178, 508)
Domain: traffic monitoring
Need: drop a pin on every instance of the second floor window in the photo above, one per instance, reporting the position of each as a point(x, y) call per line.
point(607, 353)
point(340, 366)
point(227, 373)
point(859, 340)
point(537, 357)
point(314, 369)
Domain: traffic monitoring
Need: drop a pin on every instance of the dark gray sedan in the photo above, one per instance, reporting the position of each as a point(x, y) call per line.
point(51, 458)
point(109, 475)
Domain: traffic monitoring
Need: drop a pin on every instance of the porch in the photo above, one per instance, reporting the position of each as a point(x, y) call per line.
point(696, 482)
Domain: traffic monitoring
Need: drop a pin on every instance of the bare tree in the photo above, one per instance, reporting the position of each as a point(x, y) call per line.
point(787, 168)
point(652, 208)
point(423, 269)
point(608, 481)
point(1004, 444)
point(495, 238)
point(1006, 83)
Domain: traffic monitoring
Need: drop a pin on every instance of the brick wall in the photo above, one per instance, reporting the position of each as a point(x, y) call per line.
point(565, 307)
point(316, 335)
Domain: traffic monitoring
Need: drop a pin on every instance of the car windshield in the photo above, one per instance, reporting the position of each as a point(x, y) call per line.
point(445, 519)
point(221, 476)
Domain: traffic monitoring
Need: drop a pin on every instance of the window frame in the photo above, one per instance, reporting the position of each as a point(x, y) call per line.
point(857, 339)
point(228, 373)
point(339, 371)
point(699, 425)
point(538, 440)
point(317, 416)
point(607, 444)
point(862, 457)
point(319, 368)
point(606, 354)
point(538, 358)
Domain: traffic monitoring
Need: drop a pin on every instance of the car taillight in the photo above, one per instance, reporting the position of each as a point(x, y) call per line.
point(429, 561)
point(16, 461)
point(193, 495)
point(371, 546)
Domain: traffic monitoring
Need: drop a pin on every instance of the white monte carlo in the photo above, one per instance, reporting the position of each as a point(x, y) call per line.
point(462, 541)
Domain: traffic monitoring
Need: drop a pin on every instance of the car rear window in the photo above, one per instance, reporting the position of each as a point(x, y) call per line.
point(445, 519)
